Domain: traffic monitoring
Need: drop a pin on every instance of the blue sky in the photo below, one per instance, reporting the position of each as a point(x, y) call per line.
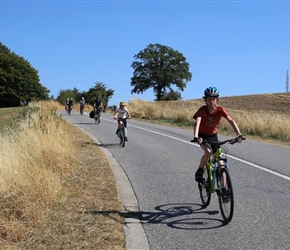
point(241, 47)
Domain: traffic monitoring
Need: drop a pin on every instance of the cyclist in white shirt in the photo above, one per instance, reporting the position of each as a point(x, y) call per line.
point(122, 113)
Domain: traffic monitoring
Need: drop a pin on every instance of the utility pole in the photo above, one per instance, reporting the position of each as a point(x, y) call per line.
point(287, 81)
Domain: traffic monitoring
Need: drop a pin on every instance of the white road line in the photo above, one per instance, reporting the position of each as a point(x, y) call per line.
point(230, 156)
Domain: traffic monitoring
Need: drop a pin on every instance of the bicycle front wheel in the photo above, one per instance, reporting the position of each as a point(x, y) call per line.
point(204, 189)
point(226, 195)
point(122, 138)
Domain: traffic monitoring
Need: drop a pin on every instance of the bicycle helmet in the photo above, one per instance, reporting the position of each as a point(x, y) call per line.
point(122, 103)
point(212, 92)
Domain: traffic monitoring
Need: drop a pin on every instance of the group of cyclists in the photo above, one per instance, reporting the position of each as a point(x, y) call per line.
point(121, 114)
point(207, 121)
point(98, 105)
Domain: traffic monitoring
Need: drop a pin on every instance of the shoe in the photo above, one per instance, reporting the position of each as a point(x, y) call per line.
point(225, 195)
point(198, 176)
point(126, 138)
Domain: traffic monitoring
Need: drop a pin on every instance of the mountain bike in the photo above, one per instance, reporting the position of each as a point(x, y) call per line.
point(121, 132)
point(97, 116)
point(216, 178)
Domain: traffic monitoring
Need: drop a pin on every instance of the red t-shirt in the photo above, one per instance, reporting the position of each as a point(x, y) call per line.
point(210, 122)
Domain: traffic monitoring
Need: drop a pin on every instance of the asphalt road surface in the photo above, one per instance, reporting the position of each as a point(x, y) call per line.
point(160, 162)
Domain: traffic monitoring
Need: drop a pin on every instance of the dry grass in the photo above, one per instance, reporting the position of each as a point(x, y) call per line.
point(57, 190)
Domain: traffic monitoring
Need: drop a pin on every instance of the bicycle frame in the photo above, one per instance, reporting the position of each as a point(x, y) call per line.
point(213, 166)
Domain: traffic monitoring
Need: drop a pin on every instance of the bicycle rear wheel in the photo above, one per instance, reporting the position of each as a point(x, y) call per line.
point(226, 202)
point(204, 189)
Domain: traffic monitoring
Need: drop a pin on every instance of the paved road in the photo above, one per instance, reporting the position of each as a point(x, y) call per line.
point(160, 162)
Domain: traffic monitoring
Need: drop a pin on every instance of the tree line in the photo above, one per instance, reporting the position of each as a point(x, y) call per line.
point(98, 90)
point(157, 67)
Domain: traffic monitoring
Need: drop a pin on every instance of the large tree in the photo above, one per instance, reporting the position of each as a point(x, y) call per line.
point(159, 67)
point(19, 81)
point(100, 90)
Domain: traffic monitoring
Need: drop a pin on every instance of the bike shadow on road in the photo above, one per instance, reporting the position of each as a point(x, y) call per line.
point(183, 216)
point(84, 123)
point(109, 145)
point(106, 145)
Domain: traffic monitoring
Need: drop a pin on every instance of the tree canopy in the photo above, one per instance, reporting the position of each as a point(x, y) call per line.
point(98, 90)
point(159, 67)
point(19, 81)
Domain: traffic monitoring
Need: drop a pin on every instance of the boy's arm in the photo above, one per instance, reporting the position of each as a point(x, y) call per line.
point(234, 125)
point(196, 126)
point(196, 130)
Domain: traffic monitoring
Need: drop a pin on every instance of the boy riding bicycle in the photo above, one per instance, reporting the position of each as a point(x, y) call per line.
point(82, 104)
point(207, 120)
point(122, 113)
point(98, 107)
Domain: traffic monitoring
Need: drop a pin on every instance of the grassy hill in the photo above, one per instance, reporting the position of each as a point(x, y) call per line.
point(278, 102)
point(265, 116)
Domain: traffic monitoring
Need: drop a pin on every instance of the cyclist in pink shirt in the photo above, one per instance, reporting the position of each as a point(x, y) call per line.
point(207, 120)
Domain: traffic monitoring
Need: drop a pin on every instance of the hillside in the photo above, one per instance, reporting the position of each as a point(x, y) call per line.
point(277, 102)
point(269, 103)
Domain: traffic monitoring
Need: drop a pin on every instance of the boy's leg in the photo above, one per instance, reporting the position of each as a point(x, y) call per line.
point(204, 159)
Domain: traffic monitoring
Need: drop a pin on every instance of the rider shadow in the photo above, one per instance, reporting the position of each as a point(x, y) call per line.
point(176, 216)
point(84, 123)
point(181, 216)
point(105, 145)
point(109, 145)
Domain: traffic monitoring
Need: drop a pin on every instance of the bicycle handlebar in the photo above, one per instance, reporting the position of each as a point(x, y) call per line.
point(122, 118)
point(230, 141)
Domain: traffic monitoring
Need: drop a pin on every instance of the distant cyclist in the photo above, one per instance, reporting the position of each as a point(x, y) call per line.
point(70, 105)
point(98, 107)
point(122, 113)
point(82, 105)
point(66, 104)
point(207, 120)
